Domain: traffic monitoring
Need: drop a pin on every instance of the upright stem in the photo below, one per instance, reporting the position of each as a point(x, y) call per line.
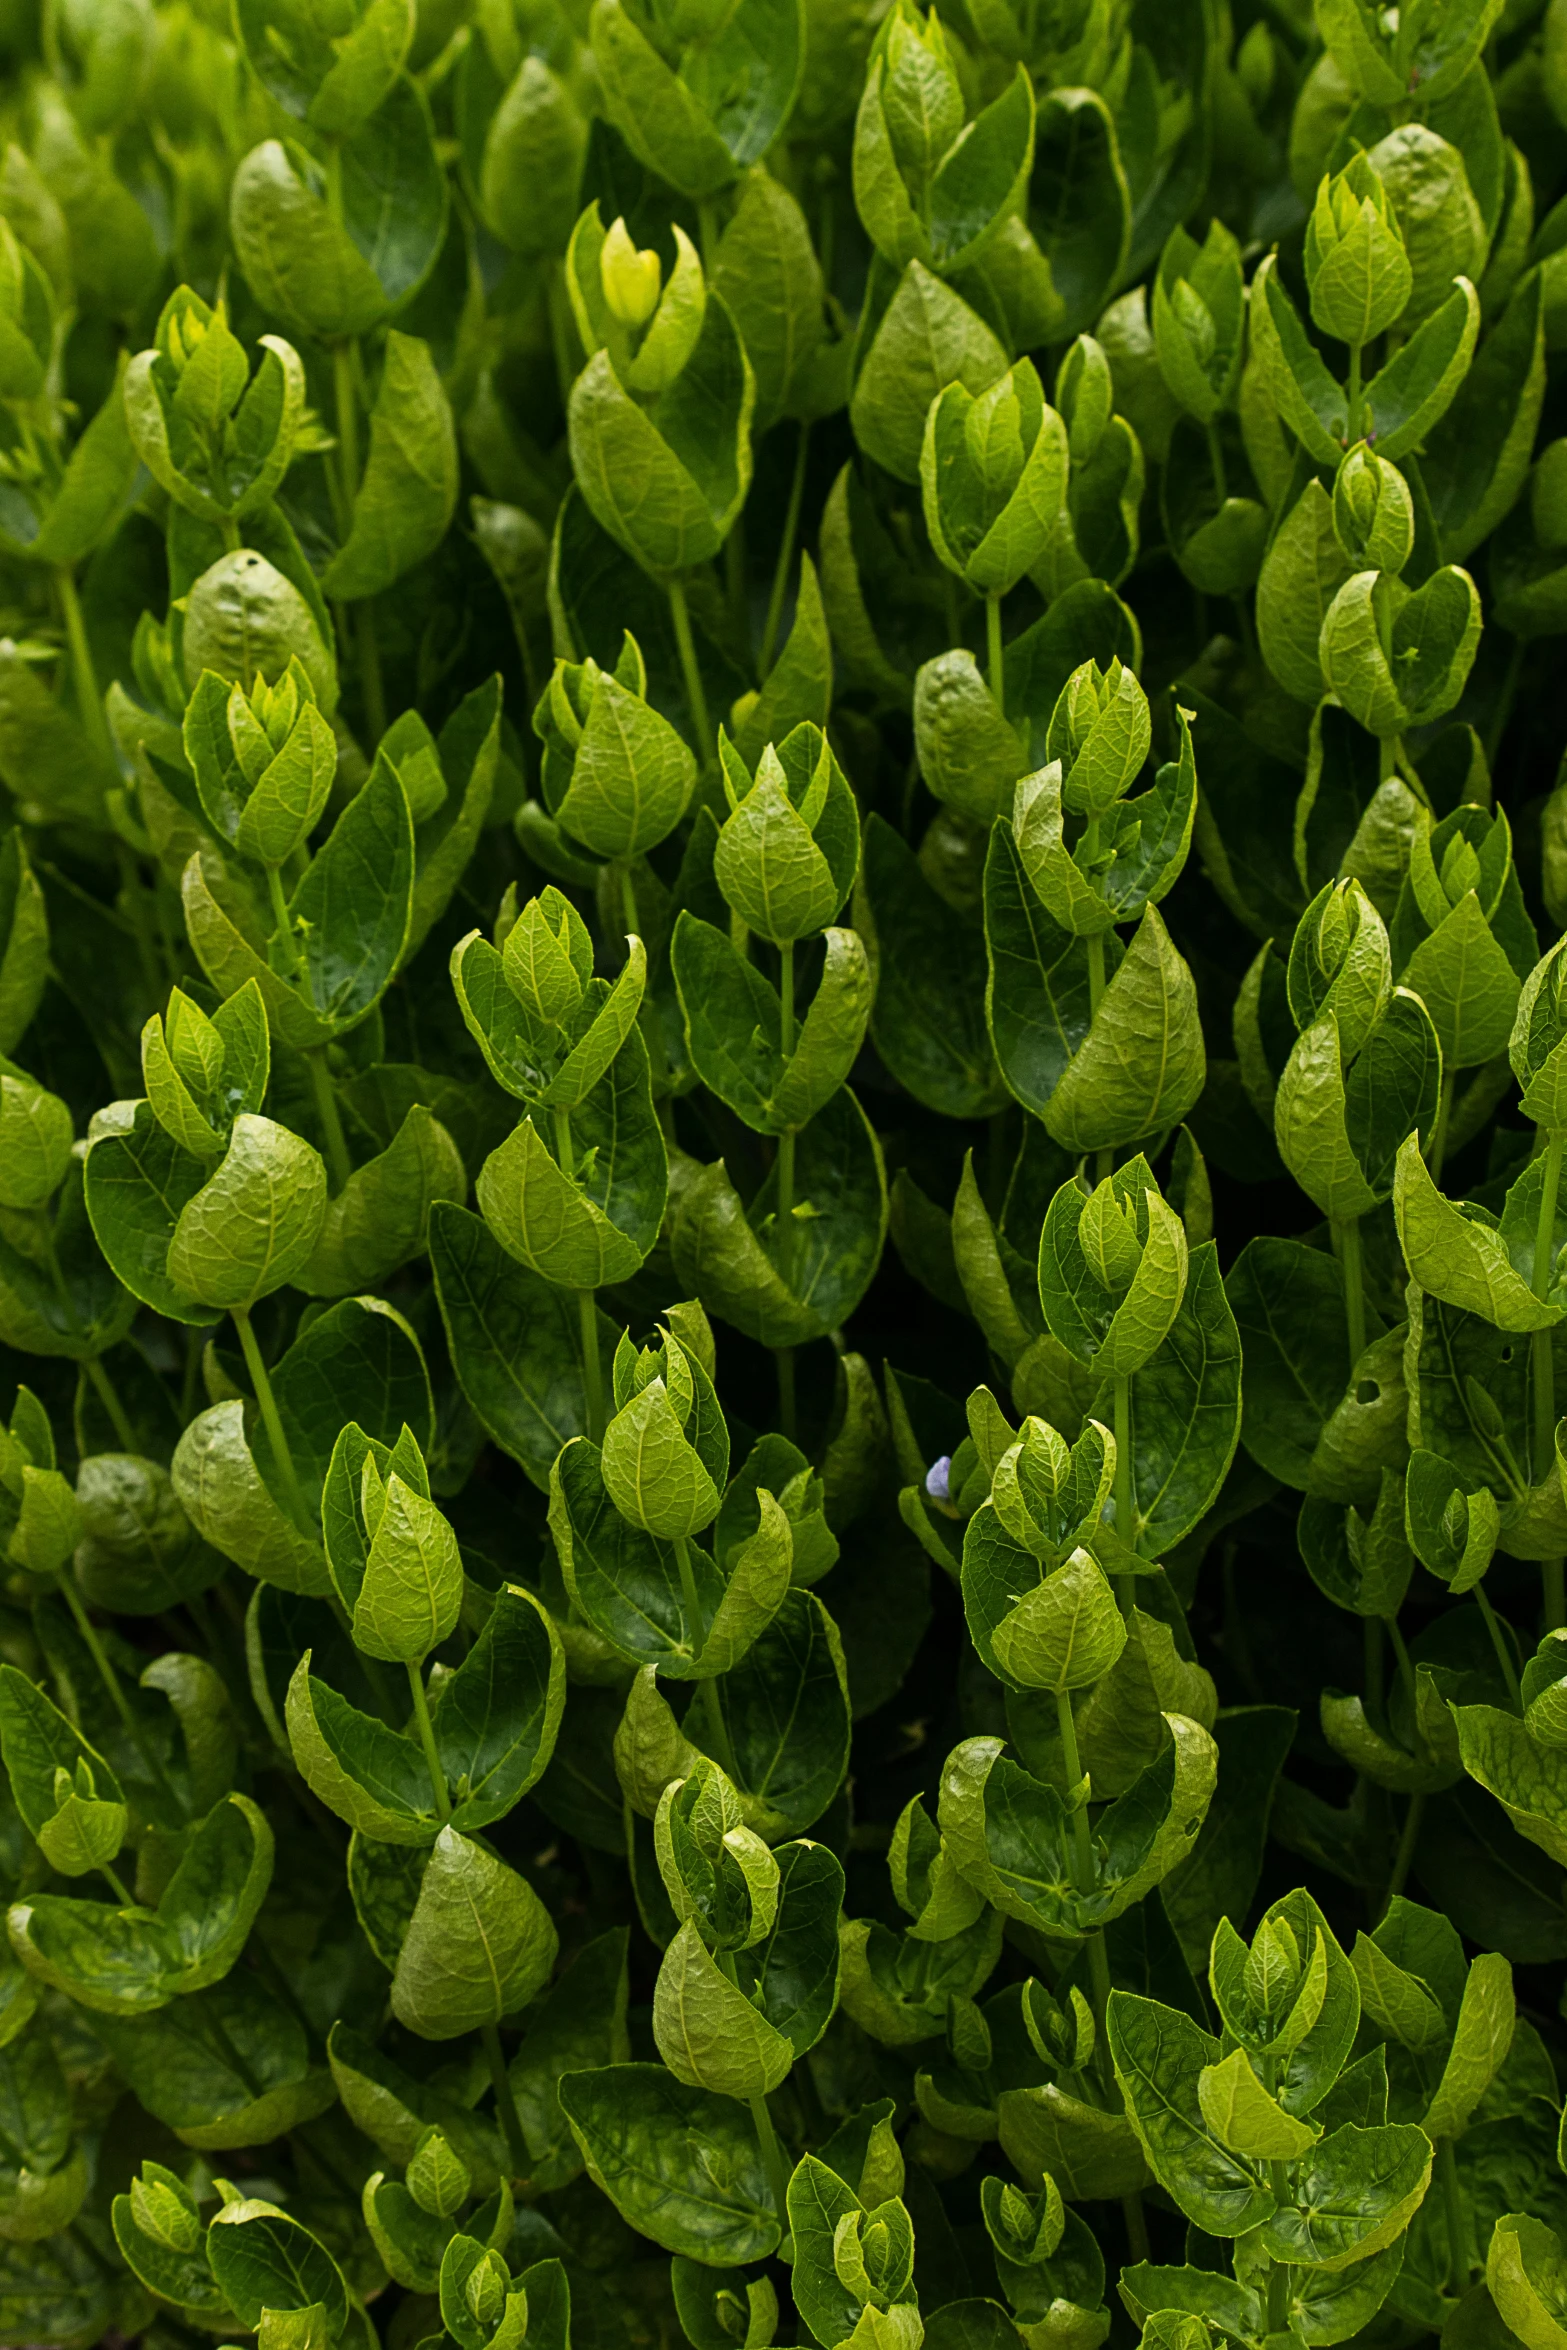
point(706, 1688)
point(998, 680)
point(1353, 433)
point(1406, 1852)
point(785, 562)
point(1216, 463)
point(505, 2103)
point(1453, 2213)
point(1406, 1670)
point(1504, 707)
point(587, 1307)
point(1125, 1585)
point(432, 1758)
point(592, 1369)
point(282, 926)
point(347, 401)
point(1542, 1364)
point(696, 692)
point(785, 1206)
point(270, 1419)
point(1082, 1839)
point(1371, 1633)
point(103, 1387)
point(1499, 1643)
point(775, 2166)
point(1444, 1111)
point(89, 703)
point(1346, 1242)
point(114, 1689)
point(338, 1160)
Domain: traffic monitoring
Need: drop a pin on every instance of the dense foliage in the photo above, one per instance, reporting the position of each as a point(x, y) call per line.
point(781, 1173)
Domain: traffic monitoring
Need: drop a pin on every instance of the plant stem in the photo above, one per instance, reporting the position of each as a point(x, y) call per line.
point(1453, 2213)
point(592, 1370)
point(1406, 1671)
point(282, 925)
point(1444, 1111)
point(691, 675)
point(347, 402)
point(338, 1160)
point(784, 1214)
point(1278, 2297)
point(707, 1687)
point(89, 703)
point(998, 681)
point(116, 1694)
point(1504, 706)
point(561, 323)
point(505, 2102)
point(270, 1418)
point(1136, 2224)
point(1353, 428)
point(1216, 463)
point(785, 562)
point(1542, 1363)
point(776, 2168)
point(426, 1729)
point(1406, 1852)
point(587, 1307)
point(1346, 1244)
point(1124, 1584)
point(1499, 1643)
point(1372, 1638)
point(1082, 1840)
point(116, 1886)
point(104, 1388)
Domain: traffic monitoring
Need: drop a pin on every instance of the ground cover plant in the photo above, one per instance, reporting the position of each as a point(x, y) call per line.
point(783, 1085)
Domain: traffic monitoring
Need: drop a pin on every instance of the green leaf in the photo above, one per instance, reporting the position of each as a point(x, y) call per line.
point(480, 1943)
point(409, 490)
point(680, 2164)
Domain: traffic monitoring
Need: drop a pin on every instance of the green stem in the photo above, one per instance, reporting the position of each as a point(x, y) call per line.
point(1504, 707)
point(1136, 2222)
point(426, 1729)
point(1216, 463)
point(785, 562)
point(1346, 1244)
point(270, 1419)
point(505, 2102)
point(775, 2166)
point(1278, 2297)
point(1125, 1584)
point(1406, 1670)
point(233, 538)
point(1371, 1629)
point(707, 1687)
point(1542, 1362)
point(998, 681)
point(89, 703)
point(1499, 1643)
point(785, 1200)
point(1072, 1766)
point(282, 924)
point(338, 1160)
point(592, 1369)
point(1453, 2213)
point(116, 1886)
point(1406, 1852)
point(116, 1694)
point(1444, 1111)
point(1353, 428)
point(104, 1387)
point(691, 675)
